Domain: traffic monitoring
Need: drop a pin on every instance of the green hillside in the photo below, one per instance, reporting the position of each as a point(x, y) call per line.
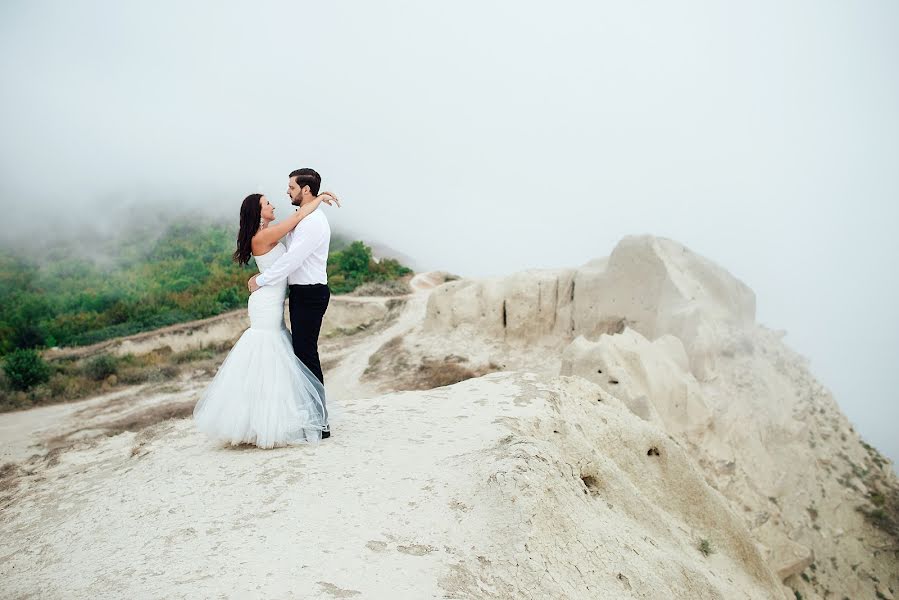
point(142, 282)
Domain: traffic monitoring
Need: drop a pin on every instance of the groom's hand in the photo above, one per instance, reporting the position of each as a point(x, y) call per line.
point(251, 284)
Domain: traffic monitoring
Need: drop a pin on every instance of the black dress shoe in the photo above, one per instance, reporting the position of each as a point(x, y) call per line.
point(326, 434)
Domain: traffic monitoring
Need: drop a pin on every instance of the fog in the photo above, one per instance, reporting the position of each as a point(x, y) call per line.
point(489, 137)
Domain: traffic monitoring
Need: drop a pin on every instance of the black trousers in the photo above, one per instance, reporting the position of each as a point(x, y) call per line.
point(308, 304)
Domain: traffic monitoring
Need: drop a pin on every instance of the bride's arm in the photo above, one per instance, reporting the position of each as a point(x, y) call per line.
point(273, 233)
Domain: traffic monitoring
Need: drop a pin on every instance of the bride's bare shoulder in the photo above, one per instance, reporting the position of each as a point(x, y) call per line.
point(261, 246)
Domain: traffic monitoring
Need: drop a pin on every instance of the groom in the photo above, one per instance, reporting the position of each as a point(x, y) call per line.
point(304, 266)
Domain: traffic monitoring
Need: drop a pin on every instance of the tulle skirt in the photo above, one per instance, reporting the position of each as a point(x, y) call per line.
point(263, 394)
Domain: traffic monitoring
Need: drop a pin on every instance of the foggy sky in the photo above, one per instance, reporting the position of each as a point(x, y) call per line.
point(489, 137)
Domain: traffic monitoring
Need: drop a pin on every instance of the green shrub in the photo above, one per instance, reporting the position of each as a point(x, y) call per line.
point(195, 354)
point(229, 298)
point(163, 373)
point(24, 369)
point(354, 265)
point(134, 375)
point(100, 367)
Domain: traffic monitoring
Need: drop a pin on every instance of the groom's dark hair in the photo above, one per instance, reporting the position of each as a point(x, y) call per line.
point(308, 177)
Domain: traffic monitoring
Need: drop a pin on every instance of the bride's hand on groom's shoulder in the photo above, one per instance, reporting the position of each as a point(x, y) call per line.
point(329, 198)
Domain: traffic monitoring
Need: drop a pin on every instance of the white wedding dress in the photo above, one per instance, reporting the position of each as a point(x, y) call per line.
point(263, 394)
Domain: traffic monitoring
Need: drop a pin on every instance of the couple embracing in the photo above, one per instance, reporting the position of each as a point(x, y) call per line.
point(269, 391)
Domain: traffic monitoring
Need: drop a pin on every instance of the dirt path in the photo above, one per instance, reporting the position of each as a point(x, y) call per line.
point(344, 382)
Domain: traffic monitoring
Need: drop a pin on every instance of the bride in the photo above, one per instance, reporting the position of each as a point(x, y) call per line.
point(262, 393)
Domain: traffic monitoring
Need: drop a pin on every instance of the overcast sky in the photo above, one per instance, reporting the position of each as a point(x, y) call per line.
point(489, 137)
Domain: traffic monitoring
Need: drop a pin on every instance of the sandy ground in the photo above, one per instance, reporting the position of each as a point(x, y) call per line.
point(200, 520)
point(453, 493)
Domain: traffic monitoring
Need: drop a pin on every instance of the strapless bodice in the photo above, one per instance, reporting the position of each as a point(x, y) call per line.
point(264, 261)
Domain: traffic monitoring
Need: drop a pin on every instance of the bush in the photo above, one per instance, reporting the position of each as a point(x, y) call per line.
point(229, 298)
point(24, 369)
point(354, 265)
point(163, 373)
point(193, 355)
point(100, 367)
point(134, 375)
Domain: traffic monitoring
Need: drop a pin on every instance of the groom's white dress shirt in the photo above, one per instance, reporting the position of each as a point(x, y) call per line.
point(306, 259)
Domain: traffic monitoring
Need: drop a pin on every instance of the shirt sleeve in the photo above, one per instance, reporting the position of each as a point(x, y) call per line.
point(306, 238)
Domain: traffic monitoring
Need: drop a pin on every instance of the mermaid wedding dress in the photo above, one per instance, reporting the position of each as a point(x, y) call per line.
point(263, 394)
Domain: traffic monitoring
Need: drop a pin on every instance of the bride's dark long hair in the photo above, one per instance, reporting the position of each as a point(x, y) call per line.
point(250, 215)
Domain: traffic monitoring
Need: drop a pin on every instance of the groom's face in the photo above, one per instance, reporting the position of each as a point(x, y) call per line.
point(294, 191)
